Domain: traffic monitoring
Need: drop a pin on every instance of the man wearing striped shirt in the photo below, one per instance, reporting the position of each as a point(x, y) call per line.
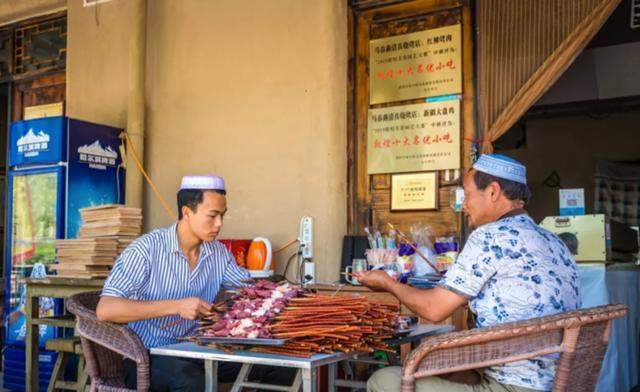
point(173, 273)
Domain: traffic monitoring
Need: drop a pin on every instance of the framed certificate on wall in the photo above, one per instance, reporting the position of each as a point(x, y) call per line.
point(414, 191)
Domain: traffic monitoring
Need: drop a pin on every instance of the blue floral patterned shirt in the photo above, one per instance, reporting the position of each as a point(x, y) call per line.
point(512, 270)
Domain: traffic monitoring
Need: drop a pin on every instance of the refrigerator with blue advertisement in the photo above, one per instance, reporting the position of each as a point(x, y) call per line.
point(57, 166)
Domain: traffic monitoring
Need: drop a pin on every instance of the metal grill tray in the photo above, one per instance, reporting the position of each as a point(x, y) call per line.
point(227, 340)
point(403, 332)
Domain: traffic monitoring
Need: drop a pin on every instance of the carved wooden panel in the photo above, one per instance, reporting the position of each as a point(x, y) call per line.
point(369, 195)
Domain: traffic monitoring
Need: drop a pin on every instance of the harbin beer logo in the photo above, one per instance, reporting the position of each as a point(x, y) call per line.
point(96, 156)
point(32, 144)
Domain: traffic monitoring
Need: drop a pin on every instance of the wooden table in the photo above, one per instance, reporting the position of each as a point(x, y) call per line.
point(50, 287)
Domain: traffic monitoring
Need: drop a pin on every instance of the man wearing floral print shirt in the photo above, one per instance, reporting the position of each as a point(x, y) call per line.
point(509, 270)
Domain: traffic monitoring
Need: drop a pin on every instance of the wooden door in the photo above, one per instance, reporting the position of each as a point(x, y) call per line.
point(369, 195)
point(41, 90)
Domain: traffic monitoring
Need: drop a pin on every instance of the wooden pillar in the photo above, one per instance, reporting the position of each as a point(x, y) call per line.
point(136, 104)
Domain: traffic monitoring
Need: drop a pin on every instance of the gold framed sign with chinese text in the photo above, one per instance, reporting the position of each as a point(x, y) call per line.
point(414, 191)
point(423, 64)
point(411, 138)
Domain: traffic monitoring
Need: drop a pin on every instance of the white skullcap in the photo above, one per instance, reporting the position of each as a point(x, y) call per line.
point(502, 166)
point(203, 182)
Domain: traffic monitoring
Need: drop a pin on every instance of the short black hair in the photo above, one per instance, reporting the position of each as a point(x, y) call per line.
point(192, 197)
point(512, 190)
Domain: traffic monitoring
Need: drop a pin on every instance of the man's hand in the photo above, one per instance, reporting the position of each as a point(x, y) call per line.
point(434, 304)
point(193, 307)
point(375, 280)
point(123, 310)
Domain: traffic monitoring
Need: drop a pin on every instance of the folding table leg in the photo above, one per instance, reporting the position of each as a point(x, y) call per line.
point(210, 375)
point(243, 377)
point(332, 376)
point(309, 380)
point(348, 371)
point(297, 381)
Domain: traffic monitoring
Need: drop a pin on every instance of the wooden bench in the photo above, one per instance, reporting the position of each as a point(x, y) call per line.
point(66, 348)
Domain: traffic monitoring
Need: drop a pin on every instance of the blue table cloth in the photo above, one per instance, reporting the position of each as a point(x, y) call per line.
point(617, 283)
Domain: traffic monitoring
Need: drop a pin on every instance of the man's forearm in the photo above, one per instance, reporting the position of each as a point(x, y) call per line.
point(122, 310)
point(433, 305)
point(412, 298)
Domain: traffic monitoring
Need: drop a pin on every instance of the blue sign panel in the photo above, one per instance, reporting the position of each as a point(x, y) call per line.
point(95, 169)
point(38, 141)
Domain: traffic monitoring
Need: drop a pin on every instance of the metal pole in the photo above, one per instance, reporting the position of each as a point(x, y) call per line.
point(210, 375)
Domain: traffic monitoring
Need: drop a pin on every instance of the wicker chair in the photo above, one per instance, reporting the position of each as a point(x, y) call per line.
point(581, 337)
point(105, 344)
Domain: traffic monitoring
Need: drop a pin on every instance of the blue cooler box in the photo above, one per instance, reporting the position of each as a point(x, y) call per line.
point(13, 366)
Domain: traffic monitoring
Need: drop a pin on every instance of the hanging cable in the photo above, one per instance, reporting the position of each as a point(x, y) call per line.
point(286, 268)
point(285, 246)
point(134, 155)
point(165, 205)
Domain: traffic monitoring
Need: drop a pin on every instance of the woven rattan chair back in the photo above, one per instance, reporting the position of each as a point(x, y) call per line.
point(579, 338)
point(105, 345)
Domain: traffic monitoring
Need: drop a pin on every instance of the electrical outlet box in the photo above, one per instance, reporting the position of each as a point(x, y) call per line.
point(309, 272)
point(306, 237)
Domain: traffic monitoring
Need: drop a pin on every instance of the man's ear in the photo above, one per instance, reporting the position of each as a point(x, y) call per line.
point(186, 211)
point(494, 191)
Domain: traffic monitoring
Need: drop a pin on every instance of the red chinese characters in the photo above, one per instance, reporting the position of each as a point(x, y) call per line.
point(415, 140)
point(420, 68)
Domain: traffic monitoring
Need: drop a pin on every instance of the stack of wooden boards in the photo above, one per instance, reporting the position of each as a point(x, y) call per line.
point(106, 231)
point(115, 222)
point(85, 257)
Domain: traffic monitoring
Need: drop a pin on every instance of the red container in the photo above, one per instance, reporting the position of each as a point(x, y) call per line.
point(238, 249)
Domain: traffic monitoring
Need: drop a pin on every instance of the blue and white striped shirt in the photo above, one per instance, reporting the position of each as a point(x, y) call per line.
point(154, 268)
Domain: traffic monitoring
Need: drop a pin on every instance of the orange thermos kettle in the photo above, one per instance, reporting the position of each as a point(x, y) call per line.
point(259, 258)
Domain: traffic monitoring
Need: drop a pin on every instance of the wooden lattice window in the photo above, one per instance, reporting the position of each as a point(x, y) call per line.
point(5, 54)
point(40, 47)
